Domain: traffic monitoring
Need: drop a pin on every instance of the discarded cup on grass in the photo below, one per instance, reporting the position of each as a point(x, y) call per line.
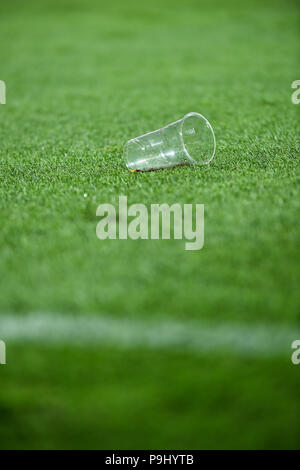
point(191, 140)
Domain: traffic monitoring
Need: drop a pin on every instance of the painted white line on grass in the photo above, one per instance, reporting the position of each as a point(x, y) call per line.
point(88, 330)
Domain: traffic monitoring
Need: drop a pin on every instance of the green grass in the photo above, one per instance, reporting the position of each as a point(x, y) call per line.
point(82, 78)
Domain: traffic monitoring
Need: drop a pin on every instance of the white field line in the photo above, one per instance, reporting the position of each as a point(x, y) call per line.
point(87, 330)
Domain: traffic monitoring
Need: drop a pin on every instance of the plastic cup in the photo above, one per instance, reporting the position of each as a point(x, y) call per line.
point(191, 140)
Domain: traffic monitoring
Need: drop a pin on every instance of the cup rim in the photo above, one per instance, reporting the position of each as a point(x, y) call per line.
point(194, 162)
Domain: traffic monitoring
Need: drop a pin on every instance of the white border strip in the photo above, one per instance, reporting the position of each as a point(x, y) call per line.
point(87, 330)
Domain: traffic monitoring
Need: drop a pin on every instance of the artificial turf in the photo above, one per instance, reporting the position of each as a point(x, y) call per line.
point(82, 78)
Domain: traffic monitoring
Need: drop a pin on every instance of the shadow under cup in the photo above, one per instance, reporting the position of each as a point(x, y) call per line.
point(188, 141)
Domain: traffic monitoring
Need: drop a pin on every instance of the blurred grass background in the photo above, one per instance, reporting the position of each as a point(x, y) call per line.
point(82, 78)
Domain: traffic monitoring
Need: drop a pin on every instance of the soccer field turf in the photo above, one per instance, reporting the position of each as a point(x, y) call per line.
point(207, 359)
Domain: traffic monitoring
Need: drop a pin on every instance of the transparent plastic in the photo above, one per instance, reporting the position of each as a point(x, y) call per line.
point(191, 140)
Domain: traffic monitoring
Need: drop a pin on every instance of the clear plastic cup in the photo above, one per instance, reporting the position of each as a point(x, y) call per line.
point(191, 140)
